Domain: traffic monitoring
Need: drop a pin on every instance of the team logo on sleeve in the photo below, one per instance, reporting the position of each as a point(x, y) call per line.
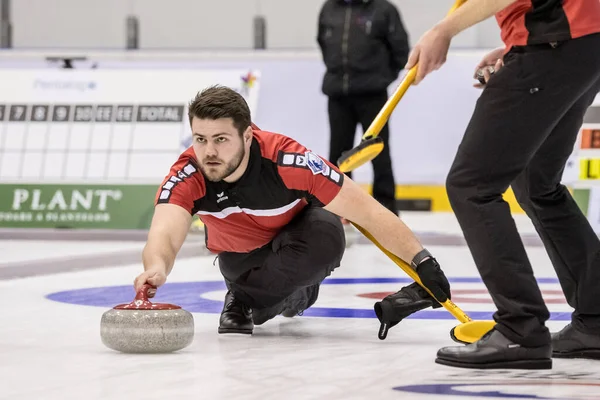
point(310, 161)
point(316, 164)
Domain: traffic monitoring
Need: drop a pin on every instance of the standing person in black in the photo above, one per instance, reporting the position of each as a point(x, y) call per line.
point(364, 47)
point(521, 134)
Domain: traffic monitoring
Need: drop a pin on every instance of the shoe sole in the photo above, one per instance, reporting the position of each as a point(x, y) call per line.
point(233, 330)
point(288, 314)
point(517, 364)
point(593, 354)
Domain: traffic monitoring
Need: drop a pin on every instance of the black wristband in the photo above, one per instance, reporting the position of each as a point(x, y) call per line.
point(420, 256)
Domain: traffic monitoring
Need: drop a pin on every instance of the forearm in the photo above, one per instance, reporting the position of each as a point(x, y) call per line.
point(392, 234)
point(159, 253)
point(471, 13)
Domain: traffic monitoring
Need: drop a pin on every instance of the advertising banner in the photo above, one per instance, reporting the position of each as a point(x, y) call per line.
point(76, 206)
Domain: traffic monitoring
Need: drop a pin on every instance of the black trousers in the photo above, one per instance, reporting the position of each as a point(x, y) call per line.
point(521, 134)
point(344, 114)
point(302, 255)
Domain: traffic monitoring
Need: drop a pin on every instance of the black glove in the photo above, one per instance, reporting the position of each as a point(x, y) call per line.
point(395, 307)
point(433, 278)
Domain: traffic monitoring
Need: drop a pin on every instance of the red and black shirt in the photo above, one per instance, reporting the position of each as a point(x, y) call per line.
point(543, 21)
point(282, 178)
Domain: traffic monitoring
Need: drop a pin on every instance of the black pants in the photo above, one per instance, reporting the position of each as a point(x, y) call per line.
point(522, 132)
point(344, 114)
point(302, 255)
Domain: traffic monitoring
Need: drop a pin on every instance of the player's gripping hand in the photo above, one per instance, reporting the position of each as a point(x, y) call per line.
point(155, 277)
point(489, 65)
point(433, 278)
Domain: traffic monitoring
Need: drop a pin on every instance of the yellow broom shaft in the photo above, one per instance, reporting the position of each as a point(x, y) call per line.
point(384, 114)
point(448, 304)
point(456, 4)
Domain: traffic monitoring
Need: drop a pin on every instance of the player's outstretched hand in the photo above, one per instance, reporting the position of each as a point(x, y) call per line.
point(433, 278)
point(154, 277)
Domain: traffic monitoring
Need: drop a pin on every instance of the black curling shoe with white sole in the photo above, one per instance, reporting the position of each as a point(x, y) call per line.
point(494, 351)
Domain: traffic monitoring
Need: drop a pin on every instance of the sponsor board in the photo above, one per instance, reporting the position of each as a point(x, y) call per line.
point(76, 206)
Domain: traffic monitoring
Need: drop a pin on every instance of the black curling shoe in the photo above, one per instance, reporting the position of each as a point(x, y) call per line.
point(573, 343)
point(494, 350)
point(235, 317)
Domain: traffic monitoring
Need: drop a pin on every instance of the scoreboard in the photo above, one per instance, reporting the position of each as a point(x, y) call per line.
point(64, 141)
point(590, 139)
point(101, 125)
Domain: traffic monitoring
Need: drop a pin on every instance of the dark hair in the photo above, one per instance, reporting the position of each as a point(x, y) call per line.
point(219, 101)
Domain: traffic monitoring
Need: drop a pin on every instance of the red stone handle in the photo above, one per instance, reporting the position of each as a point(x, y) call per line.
point(141, 302)
point(142, 295)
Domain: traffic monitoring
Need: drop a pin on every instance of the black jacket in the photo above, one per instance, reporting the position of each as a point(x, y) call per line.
point(364, 46)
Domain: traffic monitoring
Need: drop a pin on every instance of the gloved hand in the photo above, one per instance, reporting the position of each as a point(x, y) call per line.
point(433, 278)
point(395, 307)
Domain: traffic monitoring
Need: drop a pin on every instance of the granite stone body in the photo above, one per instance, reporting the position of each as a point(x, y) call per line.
point(147, 331)
point(145, 327)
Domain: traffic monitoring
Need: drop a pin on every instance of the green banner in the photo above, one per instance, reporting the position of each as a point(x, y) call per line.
point(582, 198)
point(76, 206)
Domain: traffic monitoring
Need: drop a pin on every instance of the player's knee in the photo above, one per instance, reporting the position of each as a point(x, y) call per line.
point(327, 228)
point(325, 248)
point(528, 197)
point(522, 195)
point(328, 242)
point(472, 186)
point(456, 188)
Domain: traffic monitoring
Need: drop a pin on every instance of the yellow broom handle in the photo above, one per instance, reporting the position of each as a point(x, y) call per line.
point(384, 114)
point(448, 304)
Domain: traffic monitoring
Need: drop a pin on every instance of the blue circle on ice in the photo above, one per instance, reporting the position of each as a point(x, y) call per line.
point(507, 389)
point(189, 295)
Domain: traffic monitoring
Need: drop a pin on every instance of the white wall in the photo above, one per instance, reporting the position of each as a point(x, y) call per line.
point(203, 24)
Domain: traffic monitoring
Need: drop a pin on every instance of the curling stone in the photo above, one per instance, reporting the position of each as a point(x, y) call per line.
point(145, 327)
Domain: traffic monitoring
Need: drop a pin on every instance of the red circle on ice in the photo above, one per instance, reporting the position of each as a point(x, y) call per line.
point(471, 296)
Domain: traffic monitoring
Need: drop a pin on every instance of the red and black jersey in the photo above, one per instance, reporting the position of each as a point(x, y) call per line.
point(543, 21)
point(282, 178)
